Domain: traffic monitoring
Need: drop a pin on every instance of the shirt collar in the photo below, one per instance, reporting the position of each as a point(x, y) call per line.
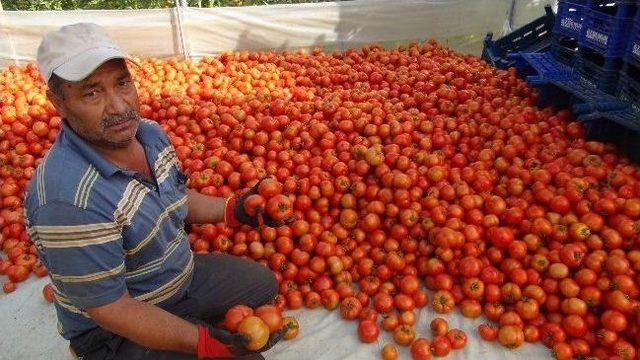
point(104, 166)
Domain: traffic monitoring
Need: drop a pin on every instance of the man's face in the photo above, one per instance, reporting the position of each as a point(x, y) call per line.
point(103, 108)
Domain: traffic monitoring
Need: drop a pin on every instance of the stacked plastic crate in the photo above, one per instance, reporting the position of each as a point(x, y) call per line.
point(607, 25)
point(592, 65)
point(629, 84)
point(533, 37)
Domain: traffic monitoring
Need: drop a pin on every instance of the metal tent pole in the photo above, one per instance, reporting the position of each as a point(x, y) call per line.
point(183, 45)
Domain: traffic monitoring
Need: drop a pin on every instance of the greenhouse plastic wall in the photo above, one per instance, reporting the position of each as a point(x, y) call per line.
point(195, 32)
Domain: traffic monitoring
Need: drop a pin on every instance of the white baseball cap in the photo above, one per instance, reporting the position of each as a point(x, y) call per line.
point(74, 51)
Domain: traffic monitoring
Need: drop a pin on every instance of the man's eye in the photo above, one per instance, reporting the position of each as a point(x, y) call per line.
point(124, 82)
point(90, 94)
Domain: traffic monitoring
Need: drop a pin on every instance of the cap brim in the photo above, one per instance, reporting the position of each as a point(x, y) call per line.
point(81, 66)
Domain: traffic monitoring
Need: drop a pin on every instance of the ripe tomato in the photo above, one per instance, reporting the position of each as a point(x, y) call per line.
point(290, 324)
point(368, 331)
point(510, 336)
point(404, 335)
point(279, 208)
point(350, 308)
point(443, 301)
point(9, 287)
point(458, 338)
point(389, 352)
point(269, 188)
point(421, 349)
point(439, 327)
point(271, 317)
point(254, 205)
point(440, 346)
point(255, 330)
point(235, 315)
point(488, 332)
point(47, 293)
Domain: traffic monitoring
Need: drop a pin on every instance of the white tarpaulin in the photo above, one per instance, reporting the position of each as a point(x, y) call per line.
point(193, 32)
point(28, 331)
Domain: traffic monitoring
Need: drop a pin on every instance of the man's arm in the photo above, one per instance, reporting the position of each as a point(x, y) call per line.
point(146, 325)
point(203, 209)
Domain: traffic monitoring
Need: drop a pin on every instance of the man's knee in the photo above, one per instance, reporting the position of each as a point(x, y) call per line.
point(269, 284)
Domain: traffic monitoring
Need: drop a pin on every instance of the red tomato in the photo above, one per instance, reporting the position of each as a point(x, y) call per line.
point(368, 331)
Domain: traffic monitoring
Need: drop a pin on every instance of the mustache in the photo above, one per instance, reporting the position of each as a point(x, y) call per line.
point(120, 118)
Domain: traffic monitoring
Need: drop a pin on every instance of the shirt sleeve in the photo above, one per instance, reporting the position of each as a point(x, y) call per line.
point(83, 252)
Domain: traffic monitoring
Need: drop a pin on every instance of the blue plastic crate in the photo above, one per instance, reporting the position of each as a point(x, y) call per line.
point(547, 68)
point(601, 129)
point(629, 92)
point(591, 75)
point(586, 99)
point(532, 37)
point(564, 49)
point(606, 28)
point(632, 54)
point(570, 18)
point(552, 95)
point(595, 57)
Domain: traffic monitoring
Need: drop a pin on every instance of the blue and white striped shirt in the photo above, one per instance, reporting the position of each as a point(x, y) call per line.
point(102, 230)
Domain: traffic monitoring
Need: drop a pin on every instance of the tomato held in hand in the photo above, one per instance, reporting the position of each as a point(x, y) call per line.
point(279, 208)
point(235, 315)
point(256, 330)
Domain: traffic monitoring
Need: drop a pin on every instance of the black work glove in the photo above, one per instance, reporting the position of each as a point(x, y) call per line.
point(215, 343)
point(235, 214)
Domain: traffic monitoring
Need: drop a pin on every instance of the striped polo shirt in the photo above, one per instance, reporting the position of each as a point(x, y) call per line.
point(102, 230)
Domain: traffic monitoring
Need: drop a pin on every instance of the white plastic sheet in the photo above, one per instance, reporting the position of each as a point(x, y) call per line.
point(139, 32)
point(193, 32)
point(28, 331)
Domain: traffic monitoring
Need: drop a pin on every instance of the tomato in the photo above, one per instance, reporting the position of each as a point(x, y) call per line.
point(562, 351)
point(510, 336)
point(420, 349)
point(350, 308)
point(389, 352)
point(488, 332)
point(390, 322)
point(574, 325)
point(613, 320)
point(368, 331)
point(47, 293)
point(235, 315)
point(458, 338)
point(279, 208)
point(407, 318)
point(531, 334)
point(404, 335)
point(254, 205)
point(440, 346)
point(291, 325)
point(443, 301)
point(368, 314)
point(9, 287)
point(624, 350)
point(255, 330)
point(439, 327)
point(271, 317)
point(269, 188)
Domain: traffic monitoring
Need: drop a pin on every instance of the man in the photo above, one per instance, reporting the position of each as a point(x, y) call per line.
point(106, 210)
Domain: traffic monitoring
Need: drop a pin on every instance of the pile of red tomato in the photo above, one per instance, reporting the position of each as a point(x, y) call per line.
point(407, 169)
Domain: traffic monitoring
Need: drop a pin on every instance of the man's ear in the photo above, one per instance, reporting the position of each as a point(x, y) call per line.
point(57, 103)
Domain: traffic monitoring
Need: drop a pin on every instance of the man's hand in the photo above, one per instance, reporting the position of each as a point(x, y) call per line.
point(214, 343)
point(235, 215)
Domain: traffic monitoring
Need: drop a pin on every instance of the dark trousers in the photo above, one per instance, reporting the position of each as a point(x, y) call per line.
point(219, 282)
